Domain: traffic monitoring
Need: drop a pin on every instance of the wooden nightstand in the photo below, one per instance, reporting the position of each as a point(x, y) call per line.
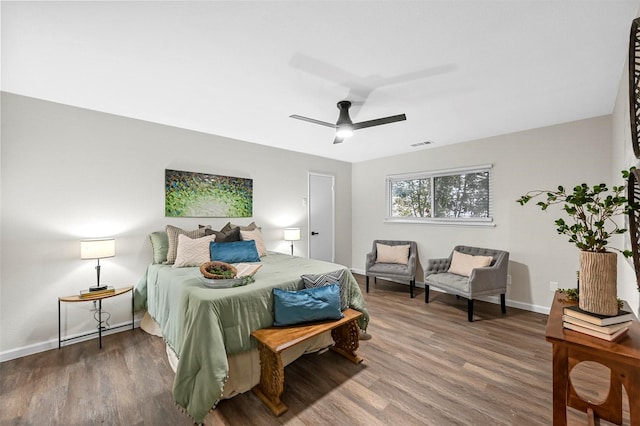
point(98, 298)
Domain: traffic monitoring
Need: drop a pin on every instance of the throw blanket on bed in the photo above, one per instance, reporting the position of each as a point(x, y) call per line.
point(204, 325)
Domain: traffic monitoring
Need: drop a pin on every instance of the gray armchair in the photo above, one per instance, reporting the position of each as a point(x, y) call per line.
point(394, 271)
point(482, 281)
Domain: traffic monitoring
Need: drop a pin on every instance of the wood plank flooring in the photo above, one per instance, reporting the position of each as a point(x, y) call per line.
point(425, 365)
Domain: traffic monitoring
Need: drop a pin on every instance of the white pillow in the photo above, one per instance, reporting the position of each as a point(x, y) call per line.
point(392, 254)
point(192, 252)
point(463, 264)
point(256, 236)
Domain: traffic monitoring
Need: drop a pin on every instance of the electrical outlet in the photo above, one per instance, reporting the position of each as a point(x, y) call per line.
point(553, 286)
point(508, 280)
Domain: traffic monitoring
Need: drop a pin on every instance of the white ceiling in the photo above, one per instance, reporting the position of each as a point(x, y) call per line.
point(460, 70)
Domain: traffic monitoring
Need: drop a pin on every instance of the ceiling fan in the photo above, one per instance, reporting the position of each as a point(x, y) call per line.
point(345, 127)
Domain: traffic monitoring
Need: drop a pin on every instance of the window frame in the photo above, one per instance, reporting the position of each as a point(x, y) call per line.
point(431, 175)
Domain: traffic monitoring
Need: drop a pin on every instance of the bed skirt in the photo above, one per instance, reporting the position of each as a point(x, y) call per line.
point(244, 368)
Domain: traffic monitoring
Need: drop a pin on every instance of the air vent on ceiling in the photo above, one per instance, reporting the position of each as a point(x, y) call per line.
point(422, 143)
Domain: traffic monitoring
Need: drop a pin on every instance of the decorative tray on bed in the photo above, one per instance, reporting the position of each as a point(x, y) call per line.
point(228, 283)
point(216, 274)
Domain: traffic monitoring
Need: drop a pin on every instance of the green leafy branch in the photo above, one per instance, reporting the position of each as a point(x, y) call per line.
point(591, 210)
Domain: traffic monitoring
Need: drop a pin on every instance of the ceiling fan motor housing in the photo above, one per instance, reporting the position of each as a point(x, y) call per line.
point(344, 106)
point(344, 126)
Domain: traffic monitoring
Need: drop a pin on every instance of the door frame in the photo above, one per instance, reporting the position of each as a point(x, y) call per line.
point(333, 212)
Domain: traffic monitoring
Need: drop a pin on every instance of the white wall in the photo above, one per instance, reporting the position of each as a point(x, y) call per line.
point(69, 173)
point(567, 154)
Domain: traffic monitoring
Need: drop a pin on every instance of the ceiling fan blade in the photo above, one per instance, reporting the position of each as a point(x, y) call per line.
point(338, 139)
point(379, 121)
point(313, 120)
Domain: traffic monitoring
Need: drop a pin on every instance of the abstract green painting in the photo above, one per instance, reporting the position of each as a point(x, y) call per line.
point(190, 194)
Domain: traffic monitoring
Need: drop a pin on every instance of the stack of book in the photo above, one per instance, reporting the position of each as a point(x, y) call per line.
point(604, 327)
point(94, 293)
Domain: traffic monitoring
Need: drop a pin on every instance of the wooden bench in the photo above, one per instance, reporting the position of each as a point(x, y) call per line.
point(272, 341)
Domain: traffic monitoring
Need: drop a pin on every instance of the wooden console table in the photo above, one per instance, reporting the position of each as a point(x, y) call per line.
point(571, 347)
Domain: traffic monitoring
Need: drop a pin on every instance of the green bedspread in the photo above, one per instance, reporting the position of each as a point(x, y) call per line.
point(204, 325)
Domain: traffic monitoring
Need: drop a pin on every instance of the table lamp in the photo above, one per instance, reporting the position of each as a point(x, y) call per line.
point(292, 234)
point(97, 249)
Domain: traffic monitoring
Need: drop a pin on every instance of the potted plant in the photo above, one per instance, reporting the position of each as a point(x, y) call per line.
point(591, 211)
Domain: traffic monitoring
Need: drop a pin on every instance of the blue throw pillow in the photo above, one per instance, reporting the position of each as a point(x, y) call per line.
point(234, 252)
point(312, 304)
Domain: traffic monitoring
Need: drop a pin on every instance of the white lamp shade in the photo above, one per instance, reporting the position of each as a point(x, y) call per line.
point(291, 234)
point(97, 249)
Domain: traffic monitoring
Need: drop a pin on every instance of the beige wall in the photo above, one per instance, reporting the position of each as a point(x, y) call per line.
point(69, 173)
point(543, 158)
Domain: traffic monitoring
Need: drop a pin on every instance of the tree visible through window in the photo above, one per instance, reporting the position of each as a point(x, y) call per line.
point(462, 195)
point(411, 198)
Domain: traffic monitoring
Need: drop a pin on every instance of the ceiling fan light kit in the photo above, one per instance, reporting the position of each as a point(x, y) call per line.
point(345, 127)
point(344, 130)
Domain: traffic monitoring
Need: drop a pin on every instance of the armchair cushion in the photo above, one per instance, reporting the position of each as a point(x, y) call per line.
point(392, 254)
point(464, 264)
point(394, 269)
point(450, 281)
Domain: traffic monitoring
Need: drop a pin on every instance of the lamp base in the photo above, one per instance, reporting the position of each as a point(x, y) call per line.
point(98, 288)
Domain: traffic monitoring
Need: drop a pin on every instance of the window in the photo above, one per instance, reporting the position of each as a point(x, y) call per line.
point(445, 196)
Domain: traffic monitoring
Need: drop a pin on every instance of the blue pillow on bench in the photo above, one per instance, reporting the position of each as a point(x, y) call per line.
point(312, 304)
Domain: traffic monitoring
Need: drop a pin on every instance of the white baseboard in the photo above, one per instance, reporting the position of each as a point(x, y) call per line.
point(491, 299)
point(53, 344)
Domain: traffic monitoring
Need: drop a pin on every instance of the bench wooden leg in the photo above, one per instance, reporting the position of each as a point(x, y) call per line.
point(347, 341)
point(271, 383)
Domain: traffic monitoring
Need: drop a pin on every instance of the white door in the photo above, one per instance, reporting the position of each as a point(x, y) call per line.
point(321, 217)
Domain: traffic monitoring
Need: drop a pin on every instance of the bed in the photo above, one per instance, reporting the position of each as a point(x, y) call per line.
point(209, 330)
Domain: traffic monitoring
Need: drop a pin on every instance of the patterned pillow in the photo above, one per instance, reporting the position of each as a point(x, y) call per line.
point(335, 277)
point(255, 235)
point(172, 234)
point(192, 252)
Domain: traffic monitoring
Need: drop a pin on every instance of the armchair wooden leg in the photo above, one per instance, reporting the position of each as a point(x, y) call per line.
point(367, 282)
point(412, 285)
point(426, 293)
point(503, 303)
point(470, 310)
